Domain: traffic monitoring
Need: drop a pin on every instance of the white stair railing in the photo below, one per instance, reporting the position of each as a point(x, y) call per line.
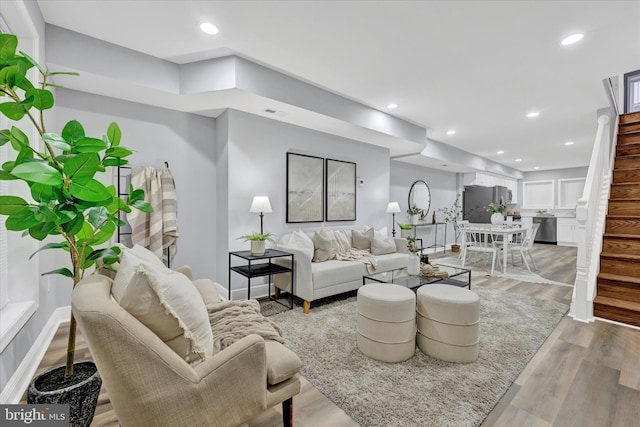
point(591, 214)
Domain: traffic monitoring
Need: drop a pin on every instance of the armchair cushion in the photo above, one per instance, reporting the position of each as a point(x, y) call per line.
point(282, 363)
point(169, 304)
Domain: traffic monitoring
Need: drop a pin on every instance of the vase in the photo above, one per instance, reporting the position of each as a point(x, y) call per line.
point(405, 233)
point(497, 218)
point(80, 392)
point(413, 266)
point(415, 219)
point(257, 247)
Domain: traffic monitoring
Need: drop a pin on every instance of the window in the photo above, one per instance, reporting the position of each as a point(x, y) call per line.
point(632, 92)
point(569, 191)
point(537, 194)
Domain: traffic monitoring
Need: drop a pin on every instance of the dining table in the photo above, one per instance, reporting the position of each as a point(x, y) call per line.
point(507, 231)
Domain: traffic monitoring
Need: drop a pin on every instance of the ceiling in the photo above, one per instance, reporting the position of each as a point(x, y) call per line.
point(474, 66)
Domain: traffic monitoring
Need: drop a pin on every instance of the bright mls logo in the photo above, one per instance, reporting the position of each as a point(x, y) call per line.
point(36, 415)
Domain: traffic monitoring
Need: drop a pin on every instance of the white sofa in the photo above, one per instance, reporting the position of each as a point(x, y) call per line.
point(315, 280)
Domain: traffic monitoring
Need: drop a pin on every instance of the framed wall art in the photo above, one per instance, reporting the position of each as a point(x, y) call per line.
point(305, 188)
point(340, 190)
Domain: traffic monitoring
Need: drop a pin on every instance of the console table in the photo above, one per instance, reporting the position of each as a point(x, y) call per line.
point(435, 225)
point(260, 269)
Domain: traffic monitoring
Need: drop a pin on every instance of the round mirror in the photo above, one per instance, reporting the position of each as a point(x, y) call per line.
point(420, 196)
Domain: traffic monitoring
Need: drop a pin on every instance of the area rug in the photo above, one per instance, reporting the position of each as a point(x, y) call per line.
point(422, 391)
point(513, 272)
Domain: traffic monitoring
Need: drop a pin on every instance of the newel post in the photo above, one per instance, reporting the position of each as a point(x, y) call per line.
point(581, 307)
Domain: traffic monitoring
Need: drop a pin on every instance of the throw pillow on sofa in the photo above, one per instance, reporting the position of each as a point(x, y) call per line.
point(360, 240)
point(325, 246)
point(299, 239)
point(383, 246)
point(169, 304)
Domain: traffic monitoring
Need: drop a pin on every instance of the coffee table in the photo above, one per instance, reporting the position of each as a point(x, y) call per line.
point(403, 278)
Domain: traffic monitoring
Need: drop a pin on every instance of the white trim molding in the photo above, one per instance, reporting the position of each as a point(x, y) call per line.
point(19, 382)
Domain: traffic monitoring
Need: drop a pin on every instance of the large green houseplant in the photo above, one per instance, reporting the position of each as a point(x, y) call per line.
point(72, 208)
point(453, 214)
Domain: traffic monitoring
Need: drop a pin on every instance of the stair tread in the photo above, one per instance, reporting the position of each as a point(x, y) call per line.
point(629, 257)
point(626, 169)
point(625, 184)
point(615, 302)
point(622, 236)
point(619, 217)
point(619, 278)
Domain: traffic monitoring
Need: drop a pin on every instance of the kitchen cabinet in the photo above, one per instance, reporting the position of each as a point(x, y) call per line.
point(567, 232)
point(488, 180)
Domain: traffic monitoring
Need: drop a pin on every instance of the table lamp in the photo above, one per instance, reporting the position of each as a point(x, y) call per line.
point(260, 205)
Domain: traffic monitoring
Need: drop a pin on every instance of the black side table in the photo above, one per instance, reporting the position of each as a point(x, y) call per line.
point(259, 269)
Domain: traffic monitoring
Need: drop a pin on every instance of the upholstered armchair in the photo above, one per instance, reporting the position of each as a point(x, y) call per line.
point(149, 384)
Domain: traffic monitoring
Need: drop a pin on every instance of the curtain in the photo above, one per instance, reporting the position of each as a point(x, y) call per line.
point(158, 230)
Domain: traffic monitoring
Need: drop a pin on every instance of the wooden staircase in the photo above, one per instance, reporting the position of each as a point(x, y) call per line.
point(618, 295)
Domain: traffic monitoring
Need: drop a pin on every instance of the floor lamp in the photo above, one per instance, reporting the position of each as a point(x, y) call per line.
point(262, 206)
point(392, 208)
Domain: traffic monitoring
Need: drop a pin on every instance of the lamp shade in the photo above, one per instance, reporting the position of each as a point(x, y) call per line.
point(393, 207)
point(260, 204)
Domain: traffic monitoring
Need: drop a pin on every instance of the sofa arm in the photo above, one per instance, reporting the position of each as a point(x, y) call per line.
point(186, 270)
point(303, 286)
point(401, 245)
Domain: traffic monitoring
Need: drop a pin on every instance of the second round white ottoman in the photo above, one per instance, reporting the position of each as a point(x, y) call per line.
point(448, 322)
point(386, 325)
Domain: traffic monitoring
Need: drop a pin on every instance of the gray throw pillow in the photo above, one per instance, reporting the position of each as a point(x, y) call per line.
point(383, 246)
point(360, 239)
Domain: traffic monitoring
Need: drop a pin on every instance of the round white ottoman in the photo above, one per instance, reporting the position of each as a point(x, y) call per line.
point(386, 326)
point(448, 322)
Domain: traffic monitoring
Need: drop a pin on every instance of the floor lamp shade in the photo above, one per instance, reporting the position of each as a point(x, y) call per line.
point(262, 206)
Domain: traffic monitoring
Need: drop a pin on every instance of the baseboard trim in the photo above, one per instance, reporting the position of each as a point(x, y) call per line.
point(19, 382)
point(257, 291)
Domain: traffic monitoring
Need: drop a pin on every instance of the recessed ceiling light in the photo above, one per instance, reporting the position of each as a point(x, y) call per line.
point(537, 167)
point(574, 38)
point(392, 106)
point(209, 28)
point(499, 152)
point(533, 114)
point(569, 143)
point(518, 160)
point(451, 132)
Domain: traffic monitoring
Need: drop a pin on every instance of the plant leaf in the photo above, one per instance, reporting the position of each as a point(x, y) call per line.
point(10, 205)
point(22, 220)
point(72, 132)
point(51, 246)
point(143, 206)
point(118, 152)
point(88, 189)
point(56, 141)
point(13, 111)
point(42, 98)
point(83, 165)
point(64, 271)
point(97, 215)
point(6, 176)
point(89, 145)
point(33, 62)
point(42, 230)
point(8, 45)
point(104, 234)
point(114, 134)
point(38, 172)
point(114, 162)
point(18, 138)
point(45, 193)
point(74, 226)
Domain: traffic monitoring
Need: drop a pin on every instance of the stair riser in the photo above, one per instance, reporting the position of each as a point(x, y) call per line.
point(626, 175)
point(624, 208)
point(628, 149)
point(616, 314)
point(632, 138)
point(625, 192)
point(621, 246)
point(622, 226)
point(629, 128)
point(626, 163)
point(616, 266)
point(630, 117)
point(619, 290)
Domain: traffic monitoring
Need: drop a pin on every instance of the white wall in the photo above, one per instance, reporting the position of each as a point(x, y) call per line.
point(185, 141)
point(257, 150)
point(443, 193)
point(553, 174)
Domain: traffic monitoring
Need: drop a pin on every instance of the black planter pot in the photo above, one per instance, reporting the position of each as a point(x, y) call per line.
point(80, 392)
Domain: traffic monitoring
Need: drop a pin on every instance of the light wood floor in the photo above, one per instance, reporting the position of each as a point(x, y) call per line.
point(585, 375)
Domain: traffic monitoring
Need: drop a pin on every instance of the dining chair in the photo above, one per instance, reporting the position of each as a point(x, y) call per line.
point(480, 241)
point(525, 246)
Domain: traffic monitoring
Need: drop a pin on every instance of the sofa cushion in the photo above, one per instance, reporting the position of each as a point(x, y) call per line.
point(282, 363)
point(325, 246)
point(130, 258)
point(333, 272)
point(360, 239)
point(207, 290)
point(392, 261)
point(383, 246)
point(343, 239)
point(169, 304)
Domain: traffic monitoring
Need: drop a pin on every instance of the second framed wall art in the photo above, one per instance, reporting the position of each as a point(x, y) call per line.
point(341, 190)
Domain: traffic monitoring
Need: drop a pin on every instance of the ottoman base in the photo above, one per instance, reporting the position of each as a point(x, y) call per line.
point(385, 352)
point(448, 352)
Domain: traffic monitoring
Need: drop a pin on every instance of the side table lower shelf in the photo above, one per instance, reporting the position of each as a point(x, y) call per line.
point(261, 269)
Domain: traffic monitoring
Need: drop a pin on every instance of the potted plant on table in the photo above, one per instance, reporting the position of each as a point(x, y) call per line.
point(498, 210)
point(413, 267)
point(414, 214)
point(69, 204)
point(258, 242)
point(405, 229)
point(453, 214)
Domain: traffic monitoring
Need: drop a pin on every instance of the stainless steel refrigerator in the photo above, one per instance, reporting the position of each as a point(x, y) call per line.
point(476, 198)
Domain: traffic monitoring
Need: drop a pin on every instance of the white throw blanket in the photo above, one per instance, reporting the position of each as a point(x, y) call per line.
point(360, 255)
point(233, 320)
